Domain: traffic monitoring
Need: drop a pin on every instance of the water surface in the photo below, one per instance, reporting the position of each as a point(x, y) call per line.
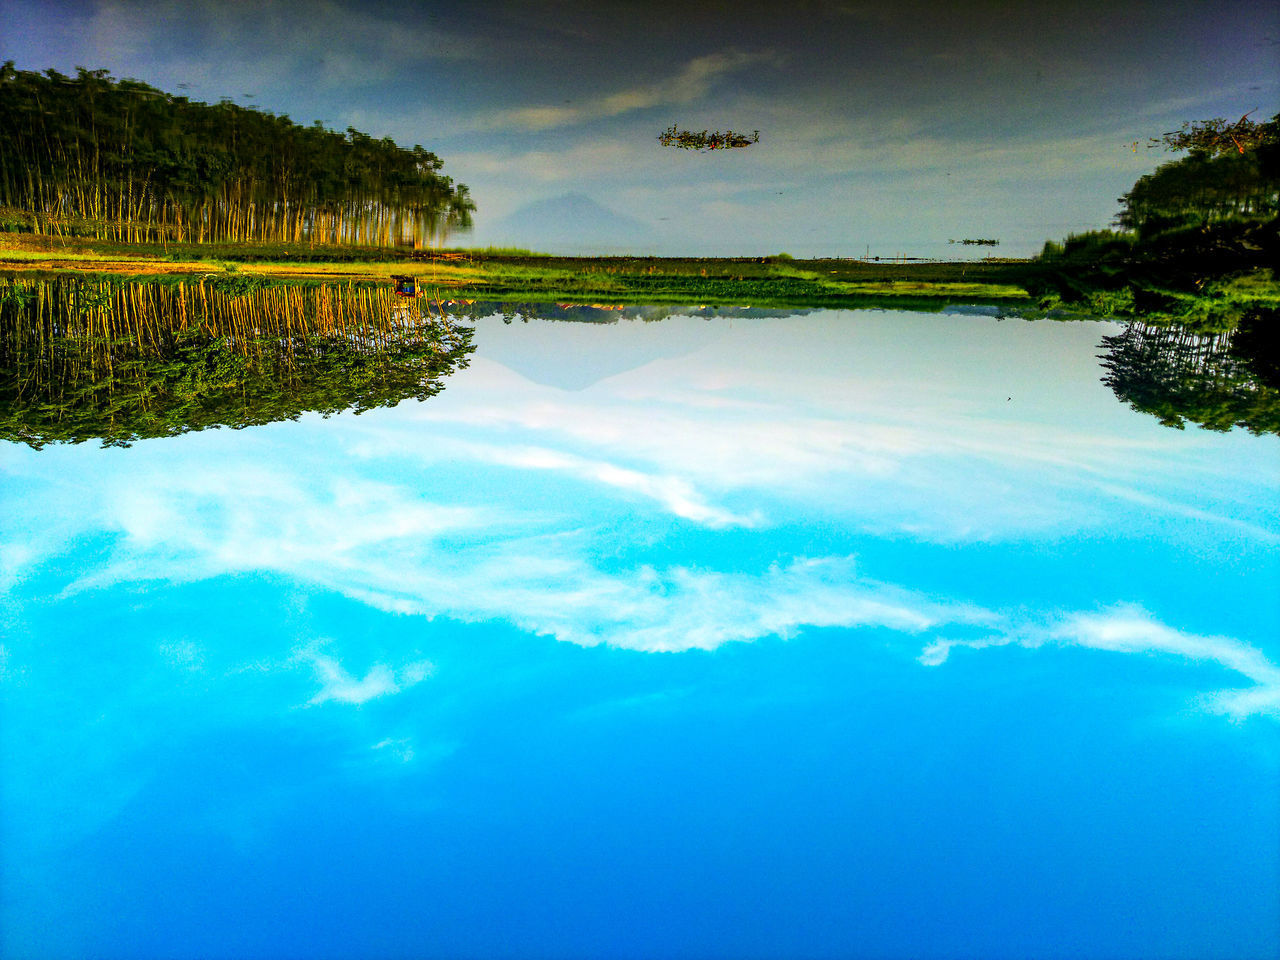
point(833, 634)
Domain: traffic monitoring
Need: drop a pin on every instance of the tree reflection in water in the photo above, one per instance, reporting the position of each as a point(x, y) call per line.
point(85, 359)
point(1217, 380)
point(120, 361)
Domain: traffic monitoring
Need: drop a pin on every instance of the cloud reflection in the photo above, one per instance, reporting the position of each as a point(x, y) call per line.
point(1129, 629)
point(578, 514)
point(338, 685)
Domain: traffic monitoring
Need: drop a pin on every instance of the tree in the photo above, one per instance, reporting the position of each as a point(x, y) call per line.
point(1193, 230)
point(1199, 189)
point(94, 156)
point(1217, 137)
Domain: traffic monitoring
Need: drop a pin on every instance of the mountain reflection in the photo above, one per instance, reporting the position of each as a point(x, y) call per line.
point(119, 361)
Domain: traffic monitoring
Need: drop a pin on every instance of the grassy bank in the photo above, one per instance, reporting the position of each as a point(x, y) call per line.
point(519, 274)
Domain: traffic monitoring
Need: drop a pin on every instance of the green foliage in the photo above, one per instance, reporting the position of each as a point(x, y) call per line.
point(240, 284)
point(800, 289)
point(1190, 230)
point(1201, 189)
point(15, 221)
point(1111, 303)
point(114, 360)
point(1219, 137)
point(498, 252)
point(688, 140)
point(758, 281)
point(93, 156)
point(1218, 381)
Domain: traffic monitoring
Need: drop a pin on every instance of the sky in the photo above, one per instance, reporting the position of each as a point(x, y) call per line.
point(845, 634)
point(885, 128)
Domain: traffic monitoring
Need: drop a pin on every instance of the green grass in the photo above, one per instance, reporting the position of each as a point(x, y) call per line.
point(497, 273)
point(771, 286)
point(36, 255)
point(495, 252)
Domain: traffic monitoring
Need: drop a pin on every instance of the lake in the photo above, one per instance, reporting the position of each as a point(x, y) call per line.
point(668, 633)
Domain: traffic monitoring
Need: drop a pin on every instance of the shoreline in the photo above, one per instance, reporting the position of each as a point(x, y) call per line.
point(523, 275)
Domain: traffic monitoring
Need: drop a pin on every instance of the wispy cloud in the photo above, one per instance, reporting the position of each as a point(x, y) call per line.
point(392, 552)
point(1129, 629)
point(253, 518)
point(380, 680)
point(694, 81)
point(685, 609)
point(398, 748)
point(674, 493)
point(272, 44)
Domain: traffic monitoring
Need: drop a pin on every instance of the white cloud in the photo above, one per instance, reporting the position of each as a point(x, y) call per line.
point(674, 493)
point(384, 547)
point(380, 680)
point(691, 83)
point(682, 609)
point(252, 517)
point(340, 686)
point(400, 749)
point(1129, 629)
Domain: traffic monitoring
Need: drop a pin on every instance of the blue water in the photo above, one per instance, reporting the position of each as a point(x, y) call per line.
point(844, 634)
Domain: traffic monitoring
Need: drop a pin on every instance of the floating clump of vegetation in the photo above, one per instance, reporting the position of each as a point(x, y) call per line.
point(715, 140)
point(97, 157)
point(121, 361)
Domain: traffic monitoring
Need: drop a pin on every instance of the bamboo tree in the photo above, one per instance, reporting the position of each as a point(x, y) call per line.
point(120, 159)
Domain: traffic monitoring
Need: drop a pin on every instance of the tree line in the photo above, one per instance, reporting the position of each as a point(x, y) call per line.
point(121, 160)
point(1192, 271)
point(1198, 237)
point(1201, 189)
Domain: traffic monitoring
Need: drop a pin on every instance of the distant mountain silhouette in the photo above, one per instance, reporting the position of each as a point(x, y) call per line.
point(573, 223)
